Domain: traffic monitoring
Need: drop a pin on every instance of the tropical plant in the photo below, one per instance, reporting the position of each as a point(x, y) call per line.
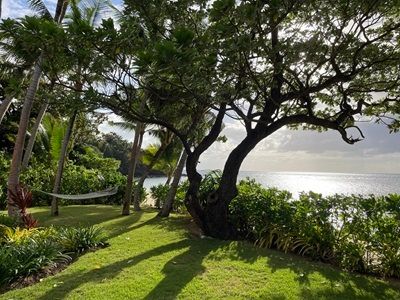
point(21, 199)
point(79, 239)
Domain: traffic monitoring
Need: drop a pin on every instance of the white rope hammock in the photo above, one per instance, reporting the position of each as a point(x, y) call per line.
point(99, 194)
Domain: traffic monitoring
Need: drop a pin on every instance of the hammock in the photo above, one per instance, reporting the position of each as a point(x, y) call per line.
point(105, 193)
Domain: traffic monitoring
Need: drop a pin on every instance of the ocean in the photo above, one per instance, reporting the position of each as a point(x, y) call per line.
point(324, 183)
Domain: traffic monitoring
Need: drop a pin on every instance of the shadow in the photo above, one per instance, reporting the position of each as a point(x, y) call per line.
point(93, 215)
point(78, 214)
point(337, 284)
point(181, 269)
point(237, 250)
point(71, 282)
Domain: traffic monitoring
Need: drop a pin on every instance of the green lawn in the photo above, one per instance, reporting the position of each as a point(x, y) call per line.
point(149, 258)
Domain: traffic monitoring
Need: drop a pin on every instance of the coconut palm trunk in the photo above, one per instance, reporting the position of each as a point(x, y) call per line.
point(13, 179)
point(61, 161)
point(137, 143)
point(139, 185)
point(32, 138)
point(169, 201)
point(4, 106)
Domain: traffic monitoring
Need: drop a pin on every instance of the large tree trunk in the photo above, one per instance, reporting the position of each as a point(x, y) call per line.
point(4, 106)
point(13, 179)
point(137, 142)
point(34, 131)
point(192, 202)
point(139, 185)
point(216, 210)
point(61, 161)
point(168, 204)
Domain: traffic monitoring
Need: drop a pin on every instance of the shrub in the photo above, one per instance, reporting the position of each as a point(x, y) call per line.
point(24, 251)
point(4, 169)
point(29, 257)
point(209, 185)
point(356, 233)
point(21, 200)
point(159, 194)
point(79, 239)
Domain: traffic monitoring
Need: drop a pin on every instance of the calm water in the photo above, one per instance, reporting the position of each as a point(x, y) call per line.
point(324, 183)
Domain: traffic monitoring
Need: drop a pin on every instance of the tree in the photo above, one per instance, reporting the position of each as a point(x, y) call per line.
point(168, 204)
point(300, 64)
point(134, 156)
point(165, 136)
point(81, 17)
point(13, 179)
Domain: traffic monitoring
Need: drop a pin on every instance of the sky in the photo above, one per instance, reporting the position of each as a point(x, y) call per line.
point(285, 150)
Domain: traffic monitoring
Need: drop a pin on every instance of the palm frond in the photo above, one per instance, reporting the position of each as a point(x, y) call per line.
point(41, 8)
point(123, 125)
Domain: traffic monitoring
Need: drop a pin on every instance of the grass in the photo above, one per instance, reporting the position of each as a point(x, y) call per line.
point(151, 258)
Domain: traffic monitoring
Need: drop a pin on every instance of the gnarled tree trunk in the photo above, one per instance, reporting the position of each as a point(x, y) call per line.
point(61, 161)
point(137, 143)
point(168, 204)
point(13, 178)
point(32, 138)
point(216, 210)
point(4, 106)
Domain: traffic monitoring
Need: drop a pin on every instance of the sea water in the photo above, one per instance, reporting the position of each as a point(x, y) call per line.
point(324, 183)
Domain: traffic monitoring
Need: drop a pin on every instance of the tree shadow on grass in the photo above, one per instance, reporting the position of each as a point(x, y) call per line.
point(337, 284)
point(82, 214)
point(72, 282)
point(181, 270)
point(99, 215)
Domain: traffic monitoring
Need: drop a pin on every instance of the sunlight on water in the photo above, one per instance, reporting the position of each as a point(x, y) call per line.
point(324, 183)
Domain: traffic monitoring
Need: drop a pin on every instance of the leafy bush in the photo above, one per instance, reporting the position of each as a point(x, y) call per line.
point(356, 233)
point(79, 239)
point(4, 169)
point(24, 251)
point(159, 194)
point(209, 185)
point(30, 255)
point(21, 199)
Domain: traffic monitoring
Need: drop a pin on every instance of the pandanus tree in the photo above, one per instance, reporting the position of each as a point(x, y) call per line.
point(319, 65)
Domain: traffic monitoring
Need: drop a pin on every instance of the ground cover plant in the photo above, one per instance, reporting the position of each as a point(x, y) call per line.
point(153, 258)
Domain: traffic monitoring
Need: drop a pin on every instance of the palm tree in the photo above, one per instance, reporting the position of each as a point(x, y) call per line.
point(137, 143)
point(13, 179)
point(61, 161)
point(32, 138)
point(166, 137)
point(90, 13)
point(168, 203)
point(139, 129)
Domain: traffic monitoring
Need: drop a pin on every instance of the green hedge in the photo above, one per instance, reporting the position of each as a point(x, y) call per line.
point(354, 232)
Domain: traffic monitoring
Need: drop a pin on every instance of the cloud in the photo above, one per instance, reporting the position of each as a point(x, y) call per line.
point(288, 150)
point(15, 9)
